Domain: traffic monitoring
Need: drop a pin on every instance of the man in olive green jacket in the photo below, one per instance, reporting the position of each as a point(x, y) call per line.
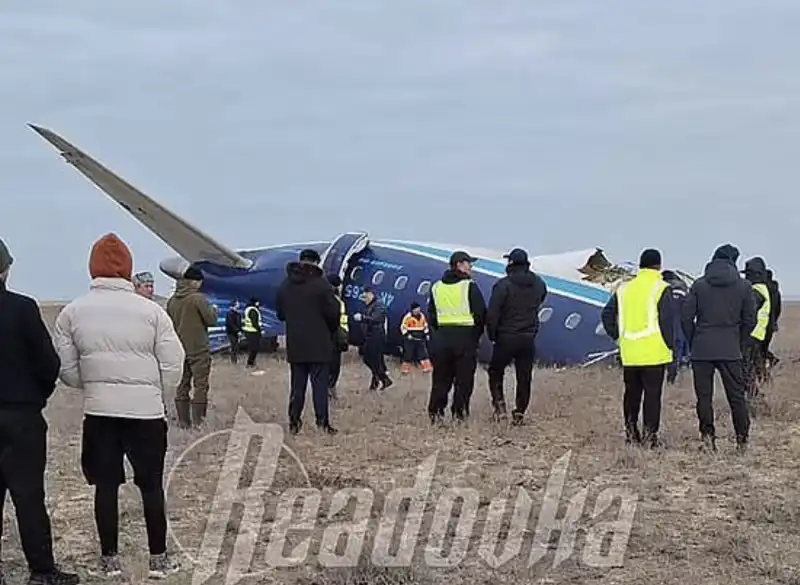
point(192, 315)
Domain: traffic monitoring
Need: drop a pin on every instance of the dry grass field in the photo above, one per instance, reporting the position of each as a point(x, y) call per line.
point(700, 518)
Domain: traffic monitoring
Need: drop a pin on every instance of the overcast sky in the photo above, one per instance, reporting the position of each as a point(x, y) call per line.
point(552, 125)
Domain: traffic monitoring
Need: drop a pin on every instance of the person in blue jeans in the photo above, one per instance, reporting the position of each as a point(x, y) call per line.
point(678, 290)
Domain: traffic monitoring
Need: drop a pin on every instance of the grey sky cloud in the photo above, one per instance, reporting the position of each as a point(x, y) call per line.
point(552, 125)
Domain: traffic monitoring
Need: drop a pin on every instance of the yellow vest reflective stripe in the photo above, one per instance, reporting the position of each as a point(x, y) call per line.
point(762, 318)
point(247, 324)
point(452, 303)
point(343, 321)
point(640, 340)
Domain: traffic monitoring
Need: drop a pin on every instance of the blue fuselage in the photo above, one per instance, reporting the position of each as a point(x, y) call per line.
point(403, 272)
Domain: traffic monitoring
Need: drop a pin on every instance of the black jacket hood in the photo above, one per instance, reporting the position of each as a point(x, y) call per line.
point(453, 276)
point(299, 272)
point(755, 271)
point(721, 273)
point(521, 276)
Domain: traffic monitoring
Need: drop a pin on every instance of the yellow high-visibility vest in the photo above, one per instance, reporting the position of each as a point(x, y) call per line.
point(247, 324)
point(762, 318)
point(640, 340)
point(343, 320)
point(452, 303)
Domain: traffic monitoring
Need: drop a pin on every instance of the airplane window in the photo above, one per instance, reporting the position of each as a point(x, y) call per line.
point(572, 321)
point(424, 288)
point(356, 273)
point(377, 278)
point(600, 330)
point(545, 314)
point(401, 282)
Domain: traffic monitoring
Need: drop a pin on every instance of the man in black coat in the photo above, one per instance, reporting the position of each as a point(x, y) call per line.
point(29, 366)
point(718, 316)
point(512, 323)
point(233, 328)
point(374, 322)
point(775, 305)
point(307, 304)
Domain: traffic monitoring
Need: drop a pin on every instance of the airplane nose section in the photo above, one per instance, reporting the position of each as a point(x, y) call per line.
point(174, 267)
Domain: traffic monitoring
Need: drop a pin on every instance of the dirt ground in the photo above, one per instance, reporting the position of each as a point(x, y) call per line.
point(699, 518)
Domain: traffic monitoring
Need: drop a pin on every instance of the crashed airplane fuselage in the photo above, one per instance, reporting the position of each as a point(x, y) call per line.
point(579, 282)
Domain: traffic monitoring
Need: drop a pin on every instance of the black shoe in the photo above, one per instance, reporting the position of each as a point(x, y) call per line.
point(709, 443)
point(633, 436)
point(517, 419)
point(295, 426)
point(436, 418)
point(387, 381)
point(54, 577)
point(374, 384)
point(741, 445)
point(327, 428)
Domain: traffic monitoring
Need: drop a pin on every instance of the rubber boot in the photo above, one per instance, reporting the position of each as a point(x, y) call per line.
point(198, 413)
point(184, 416)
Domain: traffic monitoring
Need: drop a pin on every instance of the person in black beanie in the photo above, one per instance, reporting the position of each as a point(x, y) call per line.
point(717, 317)
point(640, 317)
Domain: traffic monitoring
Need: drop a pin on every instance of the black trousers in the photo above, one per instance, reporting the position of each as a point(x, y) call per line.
point(233, 339)
point(453, 367)
point(754, 366)
point(253, 344)
point(372, 355)
point(335, 369)
point(642, 382)
point(733, 381)
point(23, 457)
point(319, 376)
point(106, 442)
point(519, 350)
point(414, 350)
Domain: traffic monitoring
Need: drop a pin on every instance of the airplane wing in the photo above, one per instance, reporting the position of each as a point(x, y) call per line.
point(188, 241)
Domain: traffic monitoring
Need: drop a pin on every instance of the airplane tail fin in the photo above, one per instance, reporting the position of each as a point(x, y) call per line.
point(188, 241)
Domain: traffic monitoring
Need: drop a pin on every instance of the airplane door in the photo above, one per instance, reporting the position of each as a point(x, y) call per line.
point(336, 258)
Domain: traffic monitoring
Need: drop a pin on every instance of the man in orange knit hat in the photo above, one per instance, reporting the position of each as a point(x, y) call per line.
point(30, 371)
point(123, 352)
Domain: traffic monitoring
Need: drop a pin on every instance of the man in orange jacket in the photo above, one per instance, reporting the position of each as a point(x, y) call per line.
point(415, 336)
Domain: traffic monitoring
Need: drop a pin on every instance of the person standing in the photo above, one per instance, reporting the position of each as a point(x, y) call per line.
point(144, 284)
point(121, 350)
point(717, 317)
point(457, 317)
point(755, 356)
point(640, 317)
point(678, 291)
point(192, 315)
point(29, 366)
point(776, 302)
point(341, 339)
point(233, 329)
point(415, 332)
point(374, 324)
point(252, 331)
point(512, 323)
point(307, 304)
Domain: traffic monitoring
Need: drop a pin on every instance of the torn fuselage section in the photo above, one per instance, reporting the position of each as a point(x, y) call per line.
point(598, 269)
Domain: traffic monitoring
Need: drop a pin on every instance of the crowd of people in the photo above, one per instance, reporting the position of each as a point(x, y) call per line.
point(726, 321)
point(123, 351)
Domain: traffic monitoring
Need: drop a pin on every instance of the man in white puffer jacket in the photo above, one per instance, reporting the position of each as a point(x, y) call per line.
point(122, 350)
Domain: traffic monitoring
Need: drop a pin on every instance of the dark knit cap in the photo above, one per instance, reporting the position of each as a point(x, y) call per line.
point(650, 258)
point(193, 273)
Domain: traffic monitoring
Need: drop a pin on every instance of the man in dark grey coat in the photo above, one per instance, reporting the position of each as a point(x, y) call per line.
point(717, 318)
